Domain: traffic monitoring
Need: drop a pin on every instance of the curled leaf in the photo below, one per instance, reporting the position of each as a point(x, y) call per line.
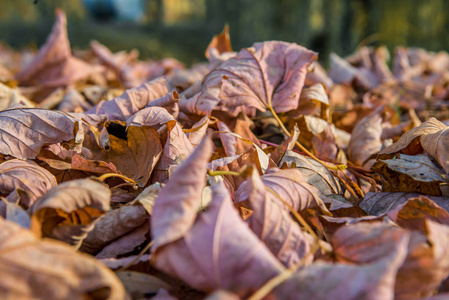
point(132, 100)
point(26, 175)
point(69, 211)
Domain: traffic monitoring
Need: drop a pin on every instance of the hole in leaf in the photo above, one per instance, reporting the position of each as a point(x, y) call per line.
point(117, 130)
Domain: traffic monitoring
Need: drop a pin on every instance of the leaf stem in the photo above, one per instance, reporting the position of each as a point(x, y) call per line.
point(301, 147)
point(222, 173)
point(142, 252)
point(109, 175)
point(264, 290)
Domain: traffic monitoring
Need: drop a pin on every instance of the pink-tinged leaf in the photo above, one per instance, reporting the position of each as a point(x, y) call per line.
point(169, 102)
point(115, 61)
point(114, 224)
point(69, 211)
point(14, 213)
point(198, 131)
point(373, 280)
point(324, 144)
point(413, 213)
point(313, 173)
point(54, 64)
point(272, 223)
point(380, 203)
point(56, 49)
point(24, 131)
point(73, 101)
point(365, 139)
point(176, 205)
point(427, 263)
point(26, 175)
point(290, 186)
point(49, 269)
point(365, 243)
point(341, 71)
point(218, 251)
point(229, 141)
point(132, 100)
point(126, 243)
point(318, 74)
point(269, 74)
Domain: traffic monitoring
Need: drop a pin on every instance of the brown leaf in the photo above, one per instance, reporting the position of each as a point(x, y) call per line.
point(26, 175)
point(221, 42)
point(269, 74)
point(313, 173)
point(49, 269)
point(134, 150)
point(132, 100)
point(177, 146)
point(114, 224)
point(365, 243)
point(380, 203)
point(24, 131)
point(429, 137)
point(427, 263)
point(126, 243)
point(324, 144)
point(372, 280)
point(10, 97)
point(272, 223)
point(413, 213)
point(406, 173)
point(69, 211)
point(291, 187)
point(54, 64)
point(365, 139)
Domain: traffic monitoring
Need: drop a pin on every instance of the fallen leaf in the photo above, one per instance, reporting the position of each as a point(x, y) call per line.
point(380, 203)
point(365, 139)
point(227, 259)
point(114, 224)
point(313, 173)
point(272, 223)
point(269, 74)
point(69, 211)
point(24, 131)
point(132, 100)
point(407, 173)
point(413, 213)
point(10, 97)
point(290, 186)
point(321, 280)
point(72, 274)
point(175, 208)
point(54, 65)
point(133, 150)
point(27, 176)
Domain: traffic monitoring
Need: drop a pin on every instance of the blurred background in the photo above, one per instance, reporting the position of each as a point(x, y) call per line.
point(183, 28)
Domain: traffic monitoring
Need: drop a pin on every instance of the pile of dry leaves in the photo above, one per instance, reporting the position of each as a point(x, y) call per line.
point(255, 175)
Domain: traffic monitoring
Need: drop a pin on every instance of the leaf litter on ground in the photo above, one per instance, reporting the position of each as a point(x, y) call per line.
point(257, 174)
